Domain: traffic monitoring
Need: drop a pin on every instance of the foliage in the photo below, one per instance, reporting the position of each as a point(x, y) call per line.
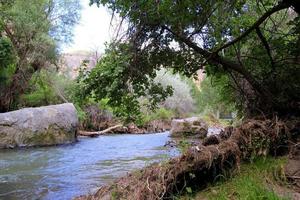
point(32, 30)
point(47, 87)
point(63, 15)
point(40, 91)
point(7, 60)
point(82, 116)
point(163, 114)
point(113, 79)
point(184, 145)
point(214, 95)
point(211, 119)
point(181, 101)
point(6, 52)
point(27, 28)
point(253, 45)
point(157, 114)
point(103, 85)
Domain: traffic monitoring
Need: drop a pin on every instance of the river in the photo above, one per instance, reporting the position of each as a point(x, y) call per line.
point(63, 172)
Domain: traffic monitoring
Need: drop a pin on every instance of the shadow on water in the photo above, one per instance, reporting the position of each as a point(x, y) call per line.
point(64, 172)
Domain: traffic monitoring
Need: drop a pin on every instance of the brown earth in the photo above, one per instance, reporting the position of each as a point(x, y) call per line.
point(292, 168)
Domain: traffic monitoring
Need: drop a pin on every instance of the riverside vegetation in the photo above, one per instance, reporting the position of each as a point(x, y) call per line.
point(249, 51)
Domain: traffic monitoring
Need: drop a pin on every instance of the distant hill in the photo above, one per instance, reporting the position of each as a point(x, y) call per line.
point(69, 63)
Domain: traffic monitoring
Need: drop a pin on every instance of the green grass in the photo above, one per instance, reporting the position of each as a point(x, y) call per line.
point(254, 181)
point(158, 114)
point(211, 120)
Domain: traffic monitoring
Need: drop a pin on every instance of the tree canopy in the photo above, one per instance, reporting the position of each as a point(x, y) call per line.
point(254, 43)
point(29, 36)
point(114, 79)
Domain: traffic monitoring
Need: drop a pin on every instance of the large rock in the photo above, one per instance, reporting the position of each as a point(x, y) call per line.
point(42, 126)
point(193, 126)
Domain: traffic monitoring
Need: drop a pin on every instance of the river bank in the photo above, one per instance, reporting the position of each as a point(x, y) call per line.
point(185, 127)
point(205, 163)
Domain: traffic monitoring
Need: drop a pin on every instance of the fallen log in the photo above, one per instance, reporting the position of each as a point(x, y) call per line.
point(97, 133)
point(199, 165)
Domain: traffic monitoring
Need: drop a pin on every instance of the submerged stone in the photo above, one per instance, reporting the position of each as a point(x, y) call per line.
point(42, 126)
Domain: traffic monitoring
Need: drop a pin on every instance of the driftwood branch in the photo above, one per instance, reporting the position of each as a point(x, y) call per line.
point(97, 133)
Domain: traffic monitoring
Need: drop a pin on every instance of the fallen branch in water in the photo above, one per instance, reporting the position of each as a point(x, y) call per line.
point(97, 133)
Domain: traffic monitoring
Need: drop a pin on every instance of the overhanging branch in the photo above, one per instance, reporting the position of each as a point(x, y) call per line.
point(266, 45)
point(215, 59)
point(282, 5)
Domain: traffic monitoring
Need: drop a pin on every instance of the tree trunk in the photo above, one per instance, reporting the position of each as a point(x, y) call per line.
point(17, 87)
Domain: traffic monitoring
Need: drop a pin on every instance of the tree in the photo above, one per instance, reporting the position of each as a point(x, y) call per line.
point(254, 43)
point(32, 29)
point(63, 15)
point(113, 79)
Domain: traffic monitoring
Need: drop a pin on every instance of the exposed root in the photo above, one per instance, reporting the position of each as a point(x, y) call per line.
point(211, 140)
point(200, 164)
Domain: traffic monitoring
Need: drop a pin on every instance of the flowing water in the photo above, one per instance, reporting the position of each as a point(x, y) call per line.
point(64, 172)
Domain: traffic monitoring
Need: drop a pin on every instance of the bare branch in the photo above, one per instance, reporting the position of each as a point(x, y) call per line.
point(266, 45)
point(199, 30)
point(215, 59)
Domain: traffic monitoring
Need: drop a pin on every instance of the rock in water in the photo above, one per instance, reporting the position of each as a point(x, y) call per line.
point(42, 126)
point(193, 126)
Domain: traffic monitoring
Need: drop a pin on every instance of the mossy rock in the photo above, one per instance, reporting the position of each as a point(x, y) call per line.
point(43, 126)
point(193, 126)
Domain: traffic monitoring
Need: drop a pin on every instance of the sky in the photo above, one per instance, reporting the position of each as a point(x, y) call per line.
point(93, 29)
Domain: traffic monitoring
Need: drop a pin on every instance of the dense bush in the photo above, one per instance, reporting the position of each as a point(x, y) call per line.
point(46, 87)
point(30, 36)
point(214, 96)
